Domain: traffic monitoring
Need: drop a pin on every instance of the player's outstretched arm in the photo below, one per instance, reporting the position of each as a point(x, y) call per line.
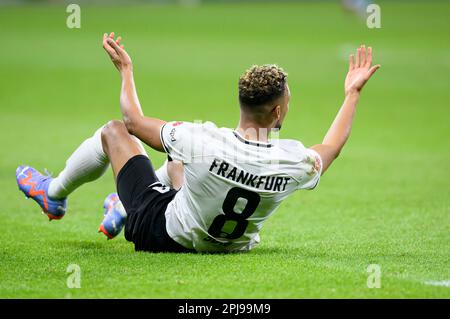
point(145, 128)
point(359, 72)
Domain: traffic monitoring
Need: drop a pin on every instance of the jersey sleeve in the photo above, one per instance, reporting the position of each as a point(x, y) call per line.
point(180, 139)
point(311, 164)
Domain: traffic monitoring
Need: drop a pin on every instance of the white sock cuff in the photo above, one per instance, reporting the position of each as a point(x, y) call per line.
point(86, 164)
point(98, 145)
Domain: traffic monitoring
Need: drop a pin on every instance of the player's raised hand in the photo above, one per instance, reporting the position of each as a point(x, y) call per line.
point(116, 52)
point(360, 70)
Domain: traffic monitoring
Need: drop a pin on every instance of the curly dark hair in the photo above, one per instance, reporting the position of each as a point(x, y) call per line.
point(261, 84)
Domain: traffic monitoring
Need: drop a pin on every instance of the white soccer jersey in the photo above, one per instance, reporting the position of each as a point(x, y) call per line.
point(231, 185)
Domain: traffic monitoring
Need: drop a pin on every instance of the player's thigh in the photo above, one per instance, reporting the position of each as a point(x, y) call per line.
point(132, 168)
point(119, 145)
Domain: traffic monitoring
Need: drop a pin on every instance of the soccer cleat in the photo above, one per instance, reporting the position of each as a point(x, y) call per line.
point(114, 218)
point(35, 185)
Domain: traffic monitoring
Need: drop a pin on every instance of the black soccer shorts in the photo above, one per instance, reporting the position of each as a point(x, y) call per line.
point(145, 200)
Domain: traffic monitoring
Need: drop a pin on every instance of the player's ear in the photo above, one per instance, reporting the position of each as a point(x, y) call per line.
point(276, 112)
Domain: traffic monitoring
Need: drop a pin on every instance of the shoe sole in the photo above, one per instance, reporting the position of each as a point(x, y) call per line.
point(49, 215)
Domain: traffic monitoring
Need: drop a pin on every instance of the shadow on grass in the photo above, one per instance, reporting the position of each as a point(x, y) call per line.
point(128, 248)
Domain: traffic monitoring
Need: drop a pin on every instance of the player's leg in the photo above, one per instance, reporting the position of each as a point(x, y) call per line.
point(138, 186)
point(142, 195)
point(175, 171)
point(171, 173)
point(133, 173)
point(119, 146)
point(87, 163)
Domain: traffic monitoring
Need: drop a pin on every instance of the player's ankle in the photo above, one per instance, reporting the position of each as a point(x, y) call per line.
point(56, 191)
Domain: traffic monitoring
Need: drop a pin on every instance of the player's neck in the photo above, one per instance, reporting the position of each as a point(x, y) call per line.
point(253, 132)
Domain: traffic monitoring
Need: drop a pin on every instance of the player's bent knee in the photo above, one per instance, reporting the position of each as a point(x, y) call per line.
point(112, 131)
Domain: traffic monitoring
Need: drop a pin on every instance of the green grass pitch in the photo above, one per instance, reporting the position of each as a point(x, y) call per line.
point(385, 201)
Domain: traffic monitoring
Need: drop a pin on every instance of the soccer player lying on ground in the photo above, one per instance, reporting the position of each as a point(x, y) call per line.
point(219, 185)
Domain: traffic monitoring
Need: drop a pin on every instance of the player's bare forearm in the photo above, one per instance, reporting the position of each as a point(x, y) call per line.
point(129, 101)
point(145, 128)
point(338, 132)
point(360, 71)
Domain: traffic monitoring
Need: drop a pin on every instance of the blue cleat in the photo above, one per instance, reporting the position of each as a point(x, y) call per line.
point(35, 185)
point(115, 216)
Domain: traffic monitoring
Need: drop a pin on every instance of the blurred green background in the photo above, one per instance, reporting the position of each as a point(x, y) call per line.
point(385, 201)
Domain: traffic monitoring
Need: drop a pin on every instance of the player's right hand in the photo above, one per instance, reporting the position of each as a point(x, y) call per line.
point(116, 52)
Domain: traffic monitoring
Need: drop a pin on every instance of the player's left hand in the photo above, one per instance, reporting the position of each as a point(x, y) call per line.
point(116, 52)
point(360, 70)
